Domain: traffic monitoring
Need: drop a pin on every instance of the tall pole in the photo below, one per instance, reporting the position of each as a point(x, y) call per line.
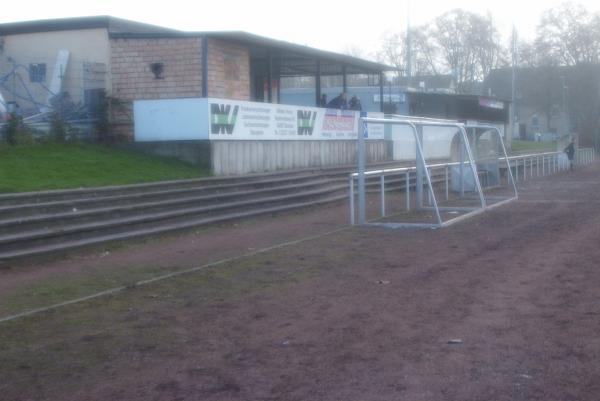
point(408, 42)
point(564, 106)
point(513, 112)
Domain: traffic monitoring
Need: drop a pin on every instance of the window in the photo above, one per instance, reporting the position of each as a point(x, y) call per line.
point(37, 72)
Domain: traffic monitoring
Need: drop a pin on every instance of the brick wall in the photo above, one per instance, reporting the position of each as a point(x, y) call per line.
point(133, 79)
point(228, 70)
point(181, 58)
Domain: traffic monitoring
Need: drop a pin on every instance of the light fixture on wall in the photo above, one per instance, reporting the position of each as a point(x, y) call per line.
point(157, 69)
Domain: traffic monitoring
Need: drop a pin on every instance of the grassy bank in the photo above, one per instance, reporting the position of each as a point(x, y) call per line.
point(54, 166)
point(532, 146)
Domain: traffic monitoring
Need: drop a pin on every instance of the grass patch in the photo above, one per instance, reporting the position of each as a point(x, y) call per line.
point(57, 166)
point(59, 289)
point(532, 146)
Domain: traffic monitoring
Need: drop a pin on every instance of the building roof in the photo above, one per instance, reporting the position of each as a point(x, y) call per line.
point(112, 24)
point(294, 59)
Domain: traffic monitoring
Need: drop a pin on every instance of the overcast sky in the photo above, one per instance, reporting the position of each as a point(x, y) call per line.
point(326, 24)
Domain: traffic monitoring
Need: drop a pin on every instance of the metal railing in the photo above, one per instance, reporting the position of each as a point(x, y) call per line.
point(529, 165)
point(541, 164)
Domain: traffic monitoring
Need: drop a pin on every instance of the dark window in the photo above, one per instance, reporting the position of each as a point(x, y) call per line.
point(37, 72)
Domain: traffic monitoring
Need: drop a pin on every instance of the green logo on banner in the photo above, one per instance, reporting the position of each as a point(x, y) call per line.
point(222, 118)
point(306, 122)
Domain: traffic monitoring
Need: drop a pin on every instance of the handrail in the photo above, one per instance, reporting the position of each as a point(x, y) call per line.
point(439, 165)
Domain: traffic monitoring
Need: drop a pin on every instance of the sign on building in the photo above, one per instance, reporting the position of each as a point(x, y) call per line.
point(222, 119)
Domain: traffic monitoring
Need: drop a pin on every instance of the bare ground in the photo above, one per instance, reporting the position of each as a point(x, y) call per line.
point(363, 314)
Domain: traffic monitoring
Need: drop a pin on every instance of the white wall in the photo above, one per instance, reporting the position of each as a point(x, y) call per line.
point(241, 157)
point(175, 119)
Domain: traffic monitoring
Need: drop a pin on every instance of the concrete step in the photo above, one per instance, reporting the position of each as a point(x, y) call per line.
point(108, 210)
point(120, 190)
point(33, 250)
point(119, 224)
point(20, 198)
point(71, 206)
point(53, 221)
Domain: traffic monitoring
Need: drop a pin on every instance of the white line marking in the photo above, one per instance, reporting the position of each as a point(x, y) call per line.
point(167, 276)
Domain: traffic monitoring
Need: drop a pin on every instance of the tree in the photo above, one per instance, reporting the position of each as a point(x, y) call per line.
point(568, 35)
point(393, 51)
point(425, 54)
point(469, 45)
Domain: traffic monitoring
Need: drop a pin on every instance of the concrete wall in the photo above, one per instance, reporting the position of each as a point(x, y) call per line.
point(241, 157)
point(197, 153)
point(85, 46)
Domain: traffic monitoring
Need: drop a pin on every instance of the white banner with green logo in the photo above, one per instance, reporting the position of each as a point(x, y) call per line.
point(222, 119)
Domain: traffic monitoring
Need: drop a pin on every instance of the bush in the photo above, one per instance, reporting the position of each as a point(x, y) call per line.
point(16, 132)
point(58, 129)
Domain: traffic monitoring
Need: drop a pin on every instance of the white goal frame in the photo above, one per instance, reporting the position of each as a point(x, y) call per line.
point(423, 177)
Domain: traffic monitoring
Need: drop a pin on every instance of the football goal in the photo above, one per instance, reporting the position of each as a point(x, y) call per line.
point(448, 171)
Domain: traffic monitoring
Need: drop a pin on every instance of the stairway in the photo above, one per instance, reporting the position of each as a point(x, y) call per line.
point(39, 223)
point(54, 221)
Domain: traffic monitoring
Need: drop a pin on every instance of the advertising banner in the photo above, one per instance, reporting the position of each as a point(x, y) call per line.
point(237, 120)
point(221, 119)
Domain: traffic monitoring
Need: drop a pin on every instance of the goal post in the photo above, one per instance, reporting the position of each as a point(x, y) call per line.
point(432, 205)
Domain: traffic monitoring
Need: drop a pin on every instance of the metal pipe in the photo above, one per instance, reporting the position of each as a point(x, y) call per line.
point(461, 158)
point(429, 193)
point(419, 172)
point(531, 167)
point(382, 188)
point(351, 186)
point(473, 167)
point(361, 174)
point(421, 157)
point(446, 173)
point(543, 165)
point(407, 187)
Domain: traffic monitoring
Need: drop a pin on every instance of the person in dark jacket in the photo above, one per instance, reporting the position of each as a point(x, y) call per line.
point(323, 101)
point(354, 103)
point(338, 102)
point(570, 151)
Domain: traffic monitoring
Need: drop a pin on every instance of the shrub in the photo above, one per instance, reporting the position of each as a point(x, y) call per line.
point(16, 132)
point(58, 129)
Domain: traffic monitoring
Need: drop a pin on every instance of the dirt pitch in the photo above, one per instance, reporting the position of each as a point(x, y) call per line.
point(505, 306)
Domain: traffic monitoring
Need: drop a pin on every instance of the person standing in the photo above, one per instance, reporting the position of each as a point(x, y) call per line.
point(570, 151)
point(323, 101)
point(338, 102)
point(354, 104)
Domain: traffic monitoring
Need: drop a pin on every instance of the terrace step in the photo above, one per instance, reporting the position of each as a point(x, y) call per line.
point(44, 249)
point(19, 212)
point(55, 221)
